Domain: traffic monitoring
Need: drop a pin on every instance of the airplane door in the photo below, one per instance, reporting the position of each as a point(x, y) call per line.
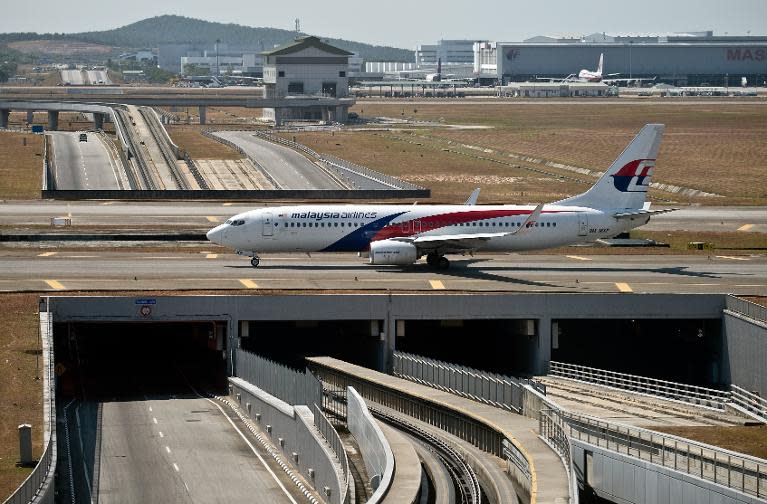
point(583, 224)
point(416, 227)
point(268, 224)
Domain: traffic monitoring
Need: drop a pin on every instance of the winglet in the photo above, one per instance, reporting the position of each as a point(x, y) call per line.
point(529, 223)
point(473, 198)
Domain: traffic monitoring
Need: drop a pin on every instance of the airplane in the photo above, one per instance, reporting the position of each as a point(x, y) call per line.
point(597, 75)
point(402, 234)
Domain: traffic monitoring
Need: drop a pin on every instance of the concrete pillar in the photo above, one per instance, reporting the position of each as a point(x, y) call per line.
point(4, 114)
point(53, 120)
point(25, 445)
point(277, 117)
point(203, 116)
point(342, 114)
point(98, 121)
point(30, 116)
point(543, 348)
point(325, 114)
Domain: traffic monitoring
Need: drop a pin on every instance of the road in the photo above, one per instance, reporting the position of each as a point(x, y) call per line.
point(98, 77)
point(54, 270)
point(72, 77)
point(289, 168)
point(145, 140)
point(84, 165)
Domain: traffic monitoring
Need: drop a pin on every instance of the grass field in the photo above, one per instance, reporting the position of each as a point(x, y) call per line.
point(21, 392)
point(749, 440)
point(716, 147)
point(189, 138)
point(20, 165)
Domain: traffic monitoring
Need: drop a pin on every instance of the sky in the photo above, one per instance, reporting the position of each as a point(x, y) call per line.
point(406, 23)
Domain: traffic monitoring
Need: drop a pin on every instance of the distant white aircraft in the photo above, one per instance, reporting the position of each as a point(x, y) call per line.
point(597, 75)
point(402, 234)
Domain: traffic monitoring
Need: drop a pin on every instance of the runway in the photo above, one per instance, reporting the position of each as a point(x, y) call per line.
point(289, 168)
point(40, 270)
point(83, 165)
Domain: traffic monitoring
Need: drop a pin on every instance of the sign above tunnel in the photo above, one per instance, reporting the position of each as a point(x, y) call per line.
point(146, 301)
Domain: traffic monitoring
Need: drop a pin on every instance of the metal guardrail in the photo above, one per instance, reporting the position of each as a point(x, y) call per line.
point(373, 445)
point(164, 144)
point(143, 167)
point(681, 392)
point(752, 404)
point(747, 308)
point(292, 386)
point(334, 440)
point(456, 423)
point(354, 169)
point(733, 470)
point(501, 391)
point(43, 471)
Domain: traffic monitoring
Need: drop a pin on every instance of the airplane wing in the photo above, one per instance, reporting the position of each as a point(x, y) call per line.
point(469, 241)
point(473, 198)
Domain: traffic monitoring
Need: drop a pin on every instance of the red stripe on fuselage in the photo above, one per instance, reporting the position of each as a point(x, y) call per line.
point(432, 222)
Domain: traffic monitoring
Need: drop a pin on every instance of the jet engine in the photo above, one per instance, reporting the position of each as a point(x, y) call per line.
point(393, 252)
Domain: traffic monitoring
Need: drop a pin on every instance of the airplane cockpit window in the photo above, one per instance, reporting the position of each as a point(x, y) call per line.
point(237, 222)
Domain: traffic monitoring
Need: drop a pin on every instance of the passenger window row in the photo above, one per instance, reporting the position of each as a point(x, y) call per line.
point(426, 225)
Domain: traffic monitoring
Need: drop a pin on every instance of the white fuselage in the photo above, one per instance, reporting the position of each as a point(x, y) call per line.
point(352, 228)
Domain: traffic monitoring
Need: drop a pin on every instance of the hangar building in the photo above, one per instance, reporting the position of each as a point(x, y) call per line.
point(682, 59)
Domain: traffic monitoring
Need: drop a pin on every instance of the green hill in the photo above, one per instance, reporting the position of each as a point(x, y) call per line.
point(169, 29)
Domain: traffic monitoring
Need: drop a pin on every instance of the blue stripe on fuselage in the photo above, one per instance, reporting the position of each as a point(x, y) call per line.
point(359, 239)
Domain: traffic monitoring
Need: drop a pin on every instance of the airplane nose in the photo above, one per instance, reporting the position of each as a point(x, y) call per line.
point(214, 235)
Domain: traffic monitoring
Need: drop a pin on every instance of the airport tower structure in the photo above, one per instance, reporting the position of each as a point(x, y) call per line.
point(307, 67)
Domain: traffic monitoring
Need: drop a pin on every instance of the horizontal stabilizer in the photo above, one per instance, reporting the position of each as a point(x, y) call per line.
point(639, 213)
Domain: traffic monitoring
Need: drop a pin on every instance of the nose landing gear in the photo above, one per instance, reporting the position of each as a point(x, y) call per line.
point(254, 261)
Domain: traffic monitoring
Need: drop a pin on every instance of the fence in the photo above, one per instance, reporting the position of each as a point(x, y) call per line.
point(350, 171)
point(681, 392)
point(293, 387)
point(497, 390)
point(43, 471)
point(454, 422)
point(334, 440)
point(748, 401)
point(747, 308)
point(734, 470)
point(374, 448)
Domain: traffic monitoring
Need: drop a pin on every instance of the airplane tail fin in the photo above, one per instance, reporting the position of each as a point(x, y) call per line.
point(601, 63)
point(624, 185)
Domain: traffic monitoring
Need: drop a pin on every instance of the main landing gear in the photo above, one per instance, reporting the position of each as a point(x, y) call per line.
point(254, 261)
point(437, 261)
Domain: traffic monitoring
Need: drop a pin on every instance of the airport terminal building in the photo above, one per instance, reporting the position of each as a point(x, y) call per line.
point(682, 59)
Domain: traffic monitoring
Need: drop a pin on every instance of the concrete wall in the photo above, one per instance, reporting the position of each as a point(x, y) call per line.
point(295, 426)
point(744, 350)
point(626, 480)
point(542, 307)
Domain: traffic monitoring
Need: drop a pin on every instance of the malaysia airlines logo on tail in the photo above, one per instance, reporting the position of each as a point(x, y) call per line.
point(634, 176)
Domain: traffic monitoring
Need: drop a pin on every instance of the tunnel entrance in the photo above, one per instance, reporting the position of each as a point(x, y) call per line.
point(116, 361)
point(686, 351)
point(290, 342)
point(505, 346)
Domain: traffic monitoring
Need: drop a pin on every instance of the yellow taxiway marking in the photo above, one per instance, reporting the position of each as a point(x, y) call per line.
point(436, 284)
point(211, 256)
point(108, 203)
point(47, 254)
point(578, 258)
point(745, 227)
point(53, 284)
point(623, 287)
point(228, 204)
point(212, 219)
point(734, 258)
point(250, 284)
